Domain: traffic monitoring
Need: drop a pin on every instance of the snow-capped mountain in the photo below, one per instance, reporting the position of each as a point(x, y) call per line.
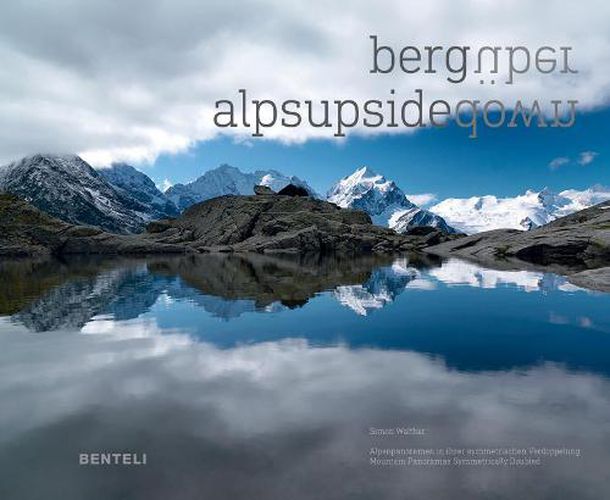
point(142, 188)
point(381, 289)
point(526, 211)
point(71, 190)
point(226, 179)
point(384, 201)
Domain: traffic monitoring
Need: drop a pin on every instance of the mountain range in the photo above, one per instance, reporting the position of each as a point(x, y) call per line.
point(527, 211)
point(122, 199)
point(70, 189)
point(229, 180)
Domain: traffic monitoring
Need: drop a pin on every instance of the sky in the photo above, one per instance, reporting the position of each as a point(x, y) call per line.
point(111, 81)
point(440, 162)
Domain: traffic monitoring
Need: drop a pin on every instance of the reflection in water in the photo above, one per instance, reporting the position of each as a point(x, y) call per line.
point(281, 420)
point(458, 272)
point(179, 359)
point(47, 296)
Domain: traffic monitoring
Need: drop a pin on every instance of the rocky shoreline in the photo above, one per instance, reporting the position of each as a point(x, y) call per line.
point(577, 245)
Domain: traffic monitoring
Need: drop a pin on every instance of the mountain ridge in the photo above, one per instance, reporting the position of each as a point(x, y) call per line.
point(67, 187)
point(226, 179)
point(525, 211)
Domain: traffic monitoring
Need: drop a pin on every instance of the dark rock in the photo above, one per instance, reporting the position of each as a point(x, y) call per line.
point(292, 190)
point(263, 190)
point(576, 242)
point(26, 231)
point(420, 230)
point(276, 223)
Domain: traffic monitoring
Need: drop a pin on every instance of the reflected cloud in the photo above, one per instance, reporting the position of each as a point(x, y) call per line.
point(283, 419)
point(459, 272)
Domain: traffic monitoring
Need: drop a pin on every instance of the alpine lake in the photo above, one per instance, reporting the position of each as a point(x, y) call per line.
point(265, 377)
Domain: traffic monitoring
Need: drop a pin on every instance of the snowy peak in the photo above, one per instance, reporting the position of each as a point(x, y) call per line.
point(380, 290)
point(526, 211)
point(365, 184)
point(366, 174)
point(228, 180)
point(588, 197)
point(67, 187)
point(383, 200)
point(366, 190)
point(552, 201)
point(277, 181)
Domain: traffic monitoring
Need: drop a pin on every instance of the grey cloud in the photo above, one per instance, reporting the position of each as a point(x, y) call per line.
point(130, 80)
point(280, 418)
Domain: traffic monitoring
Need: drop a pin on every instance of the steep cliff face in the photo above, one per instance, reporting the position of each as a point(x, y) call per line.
point(142, 189)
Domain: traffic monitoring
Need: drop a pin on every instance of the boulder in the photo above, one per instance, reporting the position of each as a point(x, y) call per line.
point(293, 190)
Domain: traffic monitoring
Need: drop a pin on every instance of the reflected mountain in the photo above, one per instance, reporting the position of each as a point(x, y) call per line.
point(124, 289)
point(54, 295)
point(381, 289)
point(472, 317)
point(48, 296)
point(288, 281)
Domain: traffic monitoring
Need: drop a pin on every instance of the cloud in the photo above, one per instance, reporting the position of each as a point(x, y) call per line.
point(165, 185)
point(422, 199)
point(285, 406)
point(587, 157)
point(86, 77)
point(559, 162)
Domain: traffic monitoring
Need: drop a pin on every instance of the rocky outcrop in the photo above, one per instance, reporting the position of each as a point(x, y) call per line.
point(276, 223)
point(269, 223)
point(292, 190)
point(594, 279)
point(27, 232)
point(576, 242)
point(263, 190)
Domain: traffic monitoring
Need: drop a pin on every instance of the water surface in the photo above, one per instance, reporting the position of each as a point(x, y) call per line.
point(261, 377)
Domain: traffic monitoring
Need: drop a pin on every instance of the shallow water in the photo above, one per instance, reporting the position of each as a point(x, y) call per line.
point(263, 377)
